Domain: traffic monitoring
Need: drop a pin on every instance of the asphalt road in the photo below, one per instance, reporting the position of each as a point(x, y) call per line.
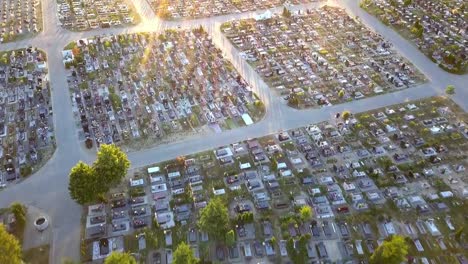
point(47, 189)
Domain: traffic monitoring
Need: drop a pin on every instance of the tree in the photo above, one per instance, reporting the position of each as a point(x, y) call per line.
point(286, 12)
point(392, 251)
point(341, 93)
point(110, 167)
point(274, 164)
point(151, 237)
point(69, 261)
point(214, 219)
point(230, 238)
point(450, 89)
point(183, 255)
point(273, 241)
point(297, 250)
point(417, 29)
point(407, 2)
point(19, 211)
point(306, 213)
point(180, 160)
point(10, 249)
point(83, 183)
point(458, 234)
point(120, 258)
point(89, 143)
point(346, 115)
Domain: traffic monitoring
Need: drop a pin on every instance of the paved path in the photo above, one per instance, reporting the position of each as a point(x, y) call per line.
point(47, 189)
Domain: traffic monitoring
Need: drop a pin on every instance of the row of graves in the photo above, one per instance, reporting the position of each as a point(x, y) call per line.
point(159, 198)
point(321, 57)
point(150, 87)
point(184, 9)
point(19, 18)
point(91, 14)
point(437, 28)
point(26, 125)
point(400, 168)
point(392, 171)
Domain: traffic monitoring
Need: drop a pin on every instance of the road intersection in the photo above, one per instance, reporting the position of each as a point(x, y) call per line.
point(47, 188)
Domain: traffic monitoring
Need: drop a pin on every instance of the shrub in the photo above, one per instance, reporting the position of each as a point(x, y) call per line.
point(450, 89)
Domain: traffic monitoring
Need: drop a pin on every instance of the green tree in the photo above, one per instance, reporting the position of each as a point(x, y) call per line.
point(151, 237)
point(341, 93)
point(417, 29)
point(10, 249)
point(274, 164)
point(306, 213)
point(450, 89)
point(120, 258)
point(110, 167)
point(83, 183)
point(183, 255)
point(392, 251)
point(407, 2)
point(458, 234)
point(346, 115)
point(69, 261)
point(298, 252)
point(19, 211)
point(273, 241)
point(214, 219)
point(230, 238)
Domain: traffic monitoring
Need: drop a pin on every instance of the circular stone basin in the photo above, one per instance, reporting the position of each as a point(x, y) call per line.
point(41, 223)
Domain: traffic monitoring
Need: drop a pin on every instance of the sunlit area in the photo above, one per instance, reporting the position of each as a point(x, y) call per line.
point(233, 131)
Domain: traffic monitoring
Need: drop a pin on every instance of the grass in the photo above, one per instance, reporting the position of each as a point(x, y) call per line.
point(288, 146)
point(131, 243)
point(230, 124)
point(39, 255)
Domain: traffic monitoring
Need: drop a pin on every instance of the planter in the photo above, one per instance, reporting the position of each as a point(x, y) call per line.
point(41, 223)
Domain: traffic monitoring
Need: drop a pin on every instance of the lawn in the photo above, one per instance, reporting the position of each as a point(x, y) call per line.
point(230, 124)
point(39, 255)
point(131, 243)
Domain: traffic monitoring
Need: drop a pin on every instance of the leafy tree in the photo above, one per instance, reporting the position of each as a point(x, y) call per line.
point(273, 241)
point(274, 164)
point(407, 2)
point(306, 213)
point(151, 237)
point(450, 89)
point(83, 183)
point(417, 29)
point(286, 13)
point(120, 258)
point(110, 167)
point(293, 100)
point(230, 238)
point(19, 211)
point(298, 253)
point(392, 251)
point(10, 249)
point(459, 234)
point(341, 93)
point(346, 115)
point(214, 219)
point(184, 255)
point(69, 261)
point(180, 160)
